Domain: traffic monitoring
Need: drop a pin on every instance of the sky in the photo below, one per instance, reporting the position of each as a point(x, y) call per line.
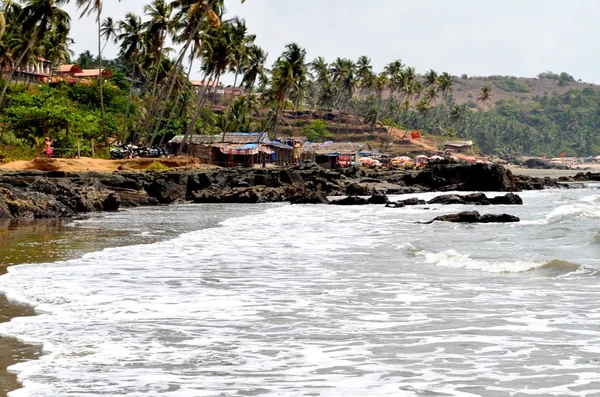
point(475, 37)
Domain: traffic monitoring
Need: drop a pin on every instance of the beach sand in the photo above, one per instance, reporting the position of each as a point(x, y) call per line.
point(553, 173)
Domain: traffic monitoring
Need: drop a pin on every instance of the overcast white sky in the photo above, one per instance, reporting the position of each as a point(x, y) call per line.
point(476, 37)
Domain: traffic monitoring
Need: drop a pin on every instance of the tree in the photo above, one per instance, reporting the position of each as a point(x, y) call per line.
point(38, 18)
point(289, 74)
point(131, 37)
point(445, 84)
point(431, 78)
point(88, 7)
point(485, 95)
point(316, 131)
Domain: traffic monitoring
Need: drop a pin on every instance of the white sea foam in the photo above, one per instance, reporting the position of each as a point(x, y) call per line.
point(323, 300)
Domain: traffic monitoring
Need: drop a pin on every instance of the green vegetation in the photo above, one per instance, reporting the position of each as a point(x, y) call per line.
point(316, 131)
point(150, 98)
point(509, 83)
point(157, 166)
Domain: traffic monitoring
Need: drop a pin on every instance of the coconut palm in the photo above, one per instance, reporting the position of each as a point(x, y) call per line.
point(89, 7)
point(241, 41)
point(200, 13)
point(431, 78)
point(37, 18)
point(131, 37)
point(108, 31)
point(431, 94)
point(445, 84)
point(485, 95)
point(253, 71)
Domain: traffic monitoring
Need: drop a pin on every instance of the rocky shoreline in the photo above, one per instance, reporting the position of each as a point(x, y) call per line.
point(56, 194)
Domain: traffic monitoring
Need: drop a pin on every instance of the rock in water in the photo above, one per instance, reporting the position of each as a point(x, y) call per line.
point(351, 200)
point(476, 217)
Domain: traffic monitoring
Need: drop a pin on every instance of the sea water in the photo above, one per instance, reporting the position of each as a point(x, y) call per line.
point(315, 300)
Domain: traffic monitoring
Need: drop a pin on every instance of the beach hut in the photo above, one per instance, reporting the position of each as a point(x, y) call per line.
point(234, 149)
point(335, 154)
point(458, 146)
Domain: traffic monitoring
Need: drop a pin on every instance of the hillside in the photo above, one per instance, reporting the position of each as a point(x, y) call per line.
point(508, 87)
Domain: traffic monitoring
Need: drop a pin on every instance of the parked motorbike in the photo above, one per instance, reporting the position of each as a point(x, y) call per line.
point(123, 152)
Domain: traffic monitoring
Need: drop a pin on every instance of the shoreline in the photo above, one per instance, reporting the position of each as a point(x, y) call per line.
point(39, 241)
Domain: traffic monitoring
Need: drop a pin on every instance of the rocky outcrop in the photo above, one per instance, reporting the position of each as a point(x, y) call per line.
point(403, 203)
point(475, 217)
point(477, 199)
point(37, 194)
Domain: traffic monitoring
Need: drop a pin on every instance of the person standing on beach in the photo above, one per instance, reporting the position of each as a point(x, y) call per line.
point(48, 143)
point(297, 152)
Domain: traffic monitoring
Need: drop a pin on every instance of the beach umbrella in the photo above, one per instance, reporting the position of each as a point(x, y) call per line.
point(402, 159)
point(421, 157)
point(436, 158)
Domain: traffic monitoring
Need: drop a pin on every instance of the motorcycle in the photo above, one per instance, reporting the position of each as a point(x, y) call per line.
point(124, 152)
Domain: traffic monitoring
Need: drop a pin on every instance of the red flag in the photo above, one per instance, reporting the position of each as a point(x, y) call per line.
point(562, 155)
point(544, 158)
point(415, 135)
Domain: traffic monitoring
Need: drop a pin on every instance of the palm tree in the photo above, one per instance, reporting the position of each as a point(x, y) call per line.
point(364, 72)
point(108, 31)
point(161, 23)
point(445, 84)
point(88, 7)
point(431, 78)
point(201, 13)
point(289, 74)
point(131, 37)
point(241, 41)
point(254, 70)
point(431, 95)
point(485, 95)
point(86, 60)
point(38, 18)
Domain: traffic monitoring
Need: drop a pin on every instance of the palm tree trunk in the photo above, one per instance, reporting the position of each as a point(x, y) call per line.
point(14, 68)
point(129, 99)
point(192, 125)
point(247, 104)
point(170, 84)
point(173, 109)
point(104, 136)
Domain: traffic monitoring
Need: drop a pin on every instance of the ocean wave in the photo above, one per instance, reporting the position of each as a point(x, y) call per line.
point(586, 208)
point(453, 259)
point(558, 268)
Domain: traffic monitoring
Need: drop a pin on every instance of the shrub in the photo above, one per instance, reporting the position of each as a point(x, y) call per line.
point(157, 166)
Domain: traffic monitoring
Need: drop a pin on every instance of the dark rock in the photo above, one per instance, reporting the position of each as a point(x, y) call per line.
point(475, 217)
point(350, 200)
point(378, 198)
point(507, 199)
point(309, 197)
point(476, 199)
point(413, 201)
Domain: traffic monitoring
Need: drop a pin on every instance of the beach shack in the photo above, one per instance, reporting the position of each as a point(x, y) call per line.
point(458, 146)
point(334, 154)
point(234, 149)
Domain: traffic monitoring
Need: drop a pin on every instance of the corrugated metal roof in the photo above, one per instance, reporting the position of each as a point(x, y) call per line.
point(459, 143)
point(329, 148)
point(233, 138)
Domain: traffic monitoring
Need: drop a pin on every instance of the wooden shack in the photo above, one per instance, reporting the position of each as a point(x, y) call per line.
point(235, 149)
point(334, 154)
point(458, 146)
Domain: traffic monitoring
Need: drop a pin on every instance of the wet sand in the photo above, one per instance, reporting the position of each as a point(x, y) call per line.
point(39, 241)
